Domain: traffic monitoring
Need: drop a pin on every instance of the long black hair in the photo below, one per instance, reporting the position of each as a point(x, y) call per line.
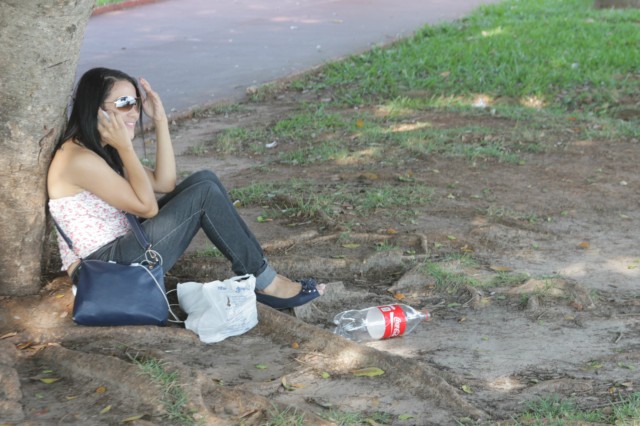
point(82, 126)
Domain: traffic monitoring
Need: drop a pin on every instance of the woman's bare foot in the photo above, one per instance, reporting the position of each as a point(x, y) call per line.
point(284, 288)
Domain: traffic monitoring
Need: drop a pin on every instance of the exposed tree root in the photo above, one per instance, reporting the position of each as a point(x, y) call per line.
point(47, 318)
point(367, 263)
point(10, 391)
point(341, 356)
point(114, 373)
point(287, 243)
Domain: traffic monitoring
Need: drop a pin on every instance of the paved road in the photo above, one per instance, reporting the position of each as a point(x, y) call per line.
point(196, 52)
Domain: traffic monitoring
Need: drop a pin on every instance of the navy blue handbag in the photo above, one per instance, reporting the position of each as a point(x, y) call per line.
point(110, 293)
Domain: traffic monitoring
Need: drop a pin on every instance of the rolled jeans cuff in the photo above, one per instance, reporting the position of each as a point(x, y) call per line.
point(265, 278)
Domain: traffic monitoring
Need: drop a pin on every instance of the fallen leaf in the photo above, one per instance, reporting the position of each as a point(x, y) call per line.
point(291, 386)
point(261, 366)
point(405, 178)
point(497, 268)
point(627, 366)
point(285, 385)
point(451, 238)
point(351, 245)
point(132, 418)
point(101, 389)
point(369, 176)
point(325, 375)
point(49, 380)
point(105, 409)
point(71, 397)
point(360, 124)
point(466, 389)
point(295, 345)
point(576, 305)
point(584, 245)
point(59, 296)
point(24, 345)
point(320, 402)
point(445, 74)
point(399, 296)
point(41, 412)
point(405, 417)
point(6, 336)
point(467, 249)
point(371, 422)
point(391, 231)
point(369, 372)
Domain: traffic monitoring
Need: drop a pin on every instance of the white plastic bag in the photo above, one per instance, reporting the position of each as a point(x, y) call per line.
point(219, 309)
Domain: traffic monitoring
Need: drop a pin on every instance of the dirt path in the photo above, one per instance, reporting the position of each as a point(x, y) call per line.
point(552, 238)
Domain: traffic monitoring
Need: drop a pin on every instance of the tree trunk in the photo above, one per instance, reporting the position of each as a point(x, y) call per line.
point(39, 47)
point(616, 4)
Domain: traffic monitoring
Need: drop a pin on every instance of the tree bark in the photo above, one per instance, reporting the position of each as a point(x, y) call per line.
point(39, 48)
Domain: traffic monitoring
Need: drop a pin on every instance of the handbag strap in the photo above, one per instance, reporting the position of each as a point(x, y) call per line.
point(175, 317)
point(141, 237)
point(138, 231)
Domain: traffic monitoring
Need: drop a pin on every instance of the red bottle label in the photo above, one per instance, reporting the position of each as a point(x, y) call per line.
point(395, 322)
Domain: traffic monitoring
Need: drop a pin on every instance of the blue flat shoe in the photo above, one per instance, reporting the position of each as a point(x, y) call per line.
point(308, 292)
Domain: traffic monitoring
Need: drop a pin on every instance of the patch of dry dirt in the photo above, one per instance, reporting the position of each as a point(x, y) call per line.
point(567, 217)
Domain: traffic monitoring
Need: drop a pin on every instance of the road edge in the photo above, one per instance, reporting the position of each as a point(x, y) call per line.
point(128, 4)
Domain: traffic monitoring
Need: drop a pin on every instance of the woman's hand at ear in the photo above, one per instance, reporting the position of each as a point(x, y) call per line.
point(113, 131)
point(152, 105)
point(163, 177)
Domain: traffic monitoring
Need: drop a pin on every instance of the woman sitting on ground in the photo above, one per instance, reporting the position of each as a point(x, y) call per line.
point(95, 175)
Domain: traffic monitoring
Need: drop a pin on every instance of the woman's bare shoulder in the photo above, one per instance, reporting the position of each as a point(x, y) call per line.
point(70, 162)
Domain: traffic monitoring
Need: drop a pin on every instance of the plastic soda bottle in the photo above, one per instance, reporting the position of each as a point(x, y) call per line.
point(378, 322)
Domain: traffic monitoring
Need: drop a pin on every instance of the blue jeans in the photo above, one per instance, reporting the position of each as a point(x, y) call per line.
point(198, 202)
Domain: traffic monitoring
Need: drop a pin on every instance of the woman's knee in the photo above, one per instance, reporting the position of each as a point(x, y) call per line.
point(207, 181)
point(203, 175)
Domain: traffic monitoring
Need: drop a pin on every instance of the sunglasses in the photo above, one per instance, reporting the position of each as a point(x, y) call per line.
point(125, 103)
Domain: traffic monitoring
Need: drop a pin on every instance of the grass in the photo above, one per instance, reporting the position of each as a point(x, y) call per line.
point(553, 410)
point(106, 2)
point(350, 418)
point(445, 272)
point(209, 251)
point(308, 198)
point(174, 398)
point(286, 417)
point(580, 59)
point(577, 70)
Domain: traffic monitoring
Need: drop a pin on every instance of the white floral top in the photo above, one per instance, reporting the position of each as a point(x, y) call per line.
point(88, 221)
